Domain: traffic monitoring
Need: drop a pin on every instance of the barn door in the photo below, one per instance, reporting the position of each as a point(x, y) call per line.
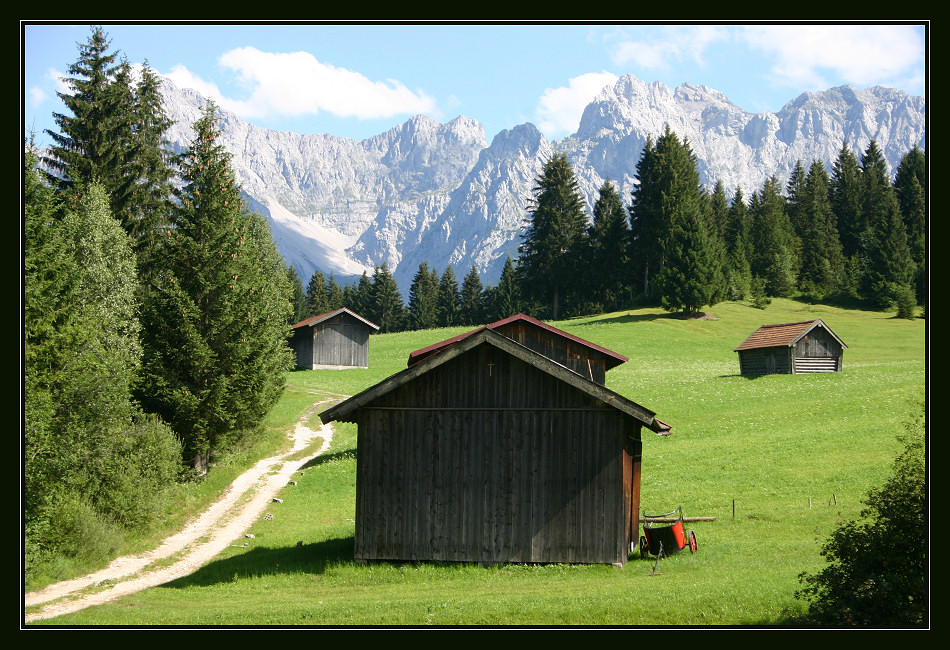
point(770, 361)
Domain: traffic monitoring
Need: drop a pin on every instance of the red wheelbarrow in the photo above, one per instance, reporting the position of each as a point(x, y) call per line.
point(664, 535)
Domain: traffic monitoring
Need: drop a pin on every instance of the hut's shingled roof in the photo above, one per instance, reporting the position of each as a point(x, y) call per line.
point(783, 335)
point(313, 320)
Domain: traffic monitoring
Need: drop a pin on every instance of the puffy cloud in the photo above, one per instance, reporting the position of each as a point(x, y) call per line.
point(559, 109)
point(860, 54)
point(661, 47)
point(295, 84)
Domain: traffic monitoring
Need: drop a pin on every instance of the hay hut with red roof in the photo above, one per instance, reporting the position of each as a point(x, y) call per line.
point(791, 348)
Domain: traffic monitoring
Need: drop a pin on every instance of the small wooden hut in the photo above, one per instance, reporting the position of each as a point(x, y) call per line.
point(791, 348)
point(335, 340)
point(583, 357)
point(487, 451)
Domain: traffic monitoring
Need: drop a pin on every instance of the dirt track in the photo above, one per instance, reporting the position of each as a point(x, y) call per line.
point(220, 525)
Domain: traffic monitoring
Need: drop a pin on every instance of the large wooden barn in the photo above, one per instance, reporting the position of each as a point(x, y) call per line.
point(337, 340)
point(583, 357)
point(487, 451)
point(791, 348)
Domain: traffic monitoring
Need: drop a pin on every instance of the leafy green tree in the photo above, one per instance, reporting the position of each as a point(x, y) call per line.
point(386, 306)
point(216, 319)
point(877, 566)
point(553, 240)
point(450, 301)
point(608, 238)
point(473, 298)
point(424, 299)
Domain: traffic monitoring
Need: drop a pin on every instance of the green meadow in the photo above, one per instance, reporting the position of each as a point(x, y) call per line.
point(779, 461)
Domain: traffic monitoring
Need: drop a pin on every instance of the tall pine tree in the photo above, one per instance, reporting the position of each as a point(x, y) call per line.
point(553, 240)
point(608, 239)
point(216, 320)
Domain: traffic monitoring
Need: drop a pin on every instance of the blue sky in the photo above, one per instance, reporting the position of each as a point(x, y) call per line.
point(360, 80)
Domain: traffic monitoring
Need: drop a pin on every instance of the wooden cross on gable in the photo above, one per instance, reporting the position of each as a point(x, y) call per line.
point(491, 364)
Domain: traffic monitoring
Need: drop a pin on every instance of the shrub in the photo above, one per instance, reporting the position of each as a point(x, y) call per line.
point(877, 567)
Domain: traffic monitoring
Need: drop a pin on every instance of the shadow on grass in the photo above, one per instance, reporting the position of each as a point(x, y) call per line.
point(346, 454)
point(263, 561)
point(639, 318)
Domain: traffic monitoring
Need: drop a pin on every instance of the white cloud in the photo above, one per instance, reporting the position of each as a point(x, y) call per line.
point(860, 54)
point(661, 47)
point(184, 78)
point(559, 109)
point(296, 84)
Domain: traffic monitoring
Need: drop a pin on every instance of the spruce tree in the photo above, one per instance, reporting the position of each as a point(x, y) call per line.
point(822, 263)
point(423, 299)
point(553, 240)
point(334, 294)
point(608, 239)
point(298, 299)
point(774, 243)
point(845, 195)
point(668, 189)
point(386, 306)
point(473, 300)
point(315, 298)
point(795, 197)
point(450, 301)
point(691, 276)
point(216, 320)
point(910, 184)
point(738, 249)
point(505, 299)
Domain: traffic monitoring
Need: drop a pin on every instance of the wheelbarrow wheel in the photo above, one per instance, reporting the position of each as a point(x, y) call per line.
point(644, 551)
point(692, 542)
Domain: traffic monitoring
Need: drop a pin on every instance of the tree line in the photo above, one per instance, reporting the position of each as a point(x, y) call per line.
point(155, 309)
point(851, 235)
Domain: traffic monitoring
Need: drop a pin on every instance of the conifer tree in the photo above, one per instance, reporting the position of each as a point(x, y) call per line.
point(691, 276)
point(738, 249)
point(505, 299)
point(553, 240)
point(298, 300)
point(795, 197)
point(668, 188)
point(774, 243)
point(217, 316)
point(450, 301)
point(910, 183)
point(363, 296)
point(472, 295)
point(334, 294)
point(423, 299)
point(386, 306)
point(315, 297)
point(845, 195)
point(822, 263)
point(608, 239)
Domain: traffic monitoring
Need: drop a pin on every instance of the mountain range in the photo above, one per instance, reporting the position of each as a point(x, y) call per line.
point(440, 193)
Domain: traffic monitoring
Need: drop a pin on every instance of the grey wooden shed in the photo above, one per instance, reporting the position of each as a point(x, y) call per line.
point(490, 452)
point(336, 340)
point(791, 348)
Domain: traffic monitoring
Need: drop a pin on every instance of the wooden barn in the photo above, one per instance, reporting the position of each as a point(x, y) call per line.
point(490, 452)
point(336, 340)
point(791, 348)
point(583, 357)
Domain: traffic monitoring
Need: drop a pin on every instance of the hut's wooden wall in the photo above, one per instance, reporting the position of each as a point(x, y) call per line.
point(818, 351)
point(579, 358)
point(765, 361)
point(487, 459)
point(341, 341)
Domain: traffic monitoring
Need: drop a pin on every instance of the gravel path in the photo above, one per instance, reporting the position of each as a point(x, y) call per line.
point(221, 524)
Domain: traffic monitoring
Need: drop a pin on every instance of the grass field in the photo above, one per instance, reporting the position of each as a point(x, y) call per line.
point(778, 460)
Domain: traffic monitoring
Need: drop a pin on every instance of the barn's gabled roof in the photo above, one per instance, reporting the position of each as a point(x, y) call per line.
point(783, 335)
point(314, 320)
point(345, 411)
point(612, 358)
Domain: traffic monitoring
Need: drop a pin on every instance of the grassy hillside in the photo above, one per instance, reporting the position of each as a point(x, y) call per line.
point(790, 456)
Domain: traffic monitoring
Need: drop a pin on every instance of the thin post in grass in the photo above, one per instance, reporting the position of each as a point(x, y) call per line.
point(733, 508)
point(809, 503)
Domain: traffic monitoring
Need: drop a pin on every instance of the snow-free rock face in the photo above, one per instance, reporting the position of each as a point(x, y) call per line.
point(439, 193)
